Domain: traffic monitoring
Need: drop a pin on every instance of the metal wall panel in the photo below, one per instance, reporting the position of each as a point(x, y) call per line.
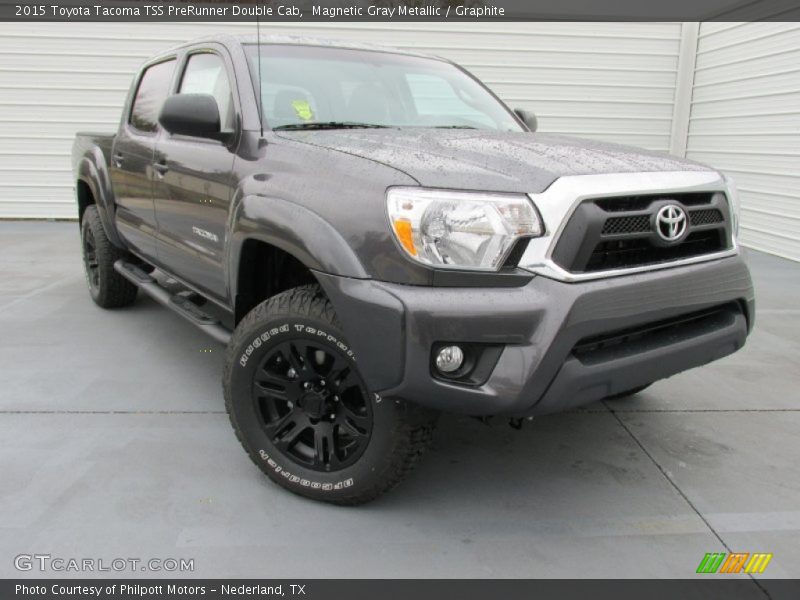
point(745, 120)
point(605, 81)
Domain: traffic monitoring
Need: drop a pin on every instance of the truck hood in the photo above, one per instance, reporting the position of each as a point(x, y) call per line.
point(489, 161)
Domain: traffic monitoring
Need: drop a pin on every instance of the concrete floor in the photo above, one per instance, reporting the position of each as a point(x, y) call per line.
point(114, 443)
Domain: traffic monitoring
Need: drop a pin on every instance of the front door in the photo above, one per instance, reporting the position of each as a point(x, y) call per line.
point(194, 183)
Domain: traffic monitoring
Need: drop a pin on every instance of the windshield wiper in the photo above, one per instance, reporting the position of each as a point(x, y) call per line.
point(454, 127)
point(330, 125)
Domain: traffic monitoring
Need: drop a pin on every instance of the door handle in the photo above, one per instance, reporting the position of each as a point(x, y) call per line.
point(117, 159)
point(160, 168)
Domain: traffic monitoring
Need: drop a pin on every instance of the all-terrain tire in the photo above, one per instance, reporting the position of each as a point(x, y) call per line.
point(299, 327)
point(108, 288)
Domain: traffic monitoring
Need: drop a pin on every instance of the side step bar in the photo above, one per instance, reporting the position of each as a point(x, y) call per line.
point(180, 303)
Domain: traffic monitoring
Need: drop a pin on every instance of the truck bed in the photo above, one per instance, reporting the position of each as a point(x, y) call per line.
point(86, 140)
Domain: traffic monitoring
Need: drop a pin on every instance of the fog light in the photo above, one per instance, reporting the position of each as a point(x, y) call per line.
point(449, 359)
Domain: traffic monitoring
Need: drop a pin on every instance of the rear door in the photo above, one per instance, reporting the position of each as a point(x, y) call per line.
point(131, 159)
point(194, 181)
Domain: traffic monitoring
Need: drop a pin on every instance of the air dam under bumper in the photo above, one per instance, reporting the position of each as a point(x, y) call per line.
point(564, 344)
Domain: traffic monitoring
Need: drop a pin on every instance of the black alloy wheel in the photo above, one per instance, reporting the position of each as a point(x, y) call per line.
point(313, 405)
point(90, 260)
point(107, 288)
point(300, 405)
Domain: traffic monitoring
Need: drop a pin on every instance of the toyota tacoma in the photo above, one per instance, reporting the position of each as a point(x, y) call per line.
point(377, 238)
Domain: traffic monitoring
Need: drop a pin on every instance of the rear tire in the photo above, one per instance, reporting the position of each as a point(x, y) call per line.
point(302, 411)
point(108, 288)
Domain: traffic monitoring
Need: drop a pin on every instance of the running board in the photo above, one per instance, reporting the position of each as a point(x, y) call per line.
point(179, 303)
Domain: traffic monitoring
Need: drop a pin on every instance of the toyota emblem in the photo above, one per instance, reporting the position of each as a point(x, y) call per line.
point(671, 222)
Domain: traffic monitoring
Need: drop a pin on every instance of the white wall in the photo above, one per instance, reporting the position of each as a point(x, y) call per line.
point(745, 120)
point(737, 106)
point(599, 80)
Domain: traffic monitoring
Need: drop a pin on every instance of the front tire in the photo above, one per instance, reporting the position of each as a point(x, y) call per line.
point(302, 411)
point(108, 288)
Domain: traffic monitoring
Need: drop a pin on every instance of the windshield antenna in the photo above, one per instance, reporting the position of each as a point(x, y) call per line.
point(260, 88)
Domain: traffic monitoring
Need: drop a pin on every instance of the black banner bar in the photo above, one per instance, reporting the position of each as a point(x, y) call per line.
point(399, 10)
point(703, 588)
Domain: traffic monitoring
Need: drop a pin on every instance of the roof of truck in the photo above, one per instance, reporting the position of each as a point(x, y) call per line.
point(302, 40)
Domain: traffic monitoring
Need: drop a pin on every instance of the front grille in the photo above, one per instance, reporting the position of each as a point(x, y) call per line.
point(634, 224)
point(634, 203)
point(618, 233)
point(621, 254)
point(641, 223)
point(705, 217)
point(635, 340)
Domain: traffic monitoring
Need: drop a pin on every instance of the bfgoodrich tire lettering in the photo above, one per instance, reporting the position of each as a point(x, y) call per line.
point(377, 441)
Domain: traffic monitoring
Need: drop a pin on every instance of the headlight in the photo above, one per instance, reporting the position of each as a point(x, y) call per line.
point(733, 200)
point(460, 230)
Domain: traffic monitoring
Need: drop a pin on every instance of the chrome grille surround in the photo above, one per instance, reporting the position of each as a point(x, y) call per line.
point(557, 204)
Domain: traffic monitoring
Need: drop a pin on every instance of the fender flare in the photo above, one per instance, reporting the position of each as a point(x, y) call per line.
point(296, 230)
point(100, 186)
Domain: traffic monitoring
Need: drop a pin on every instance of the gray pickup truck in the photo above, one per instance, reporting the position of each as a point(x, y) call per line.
point(378, 238)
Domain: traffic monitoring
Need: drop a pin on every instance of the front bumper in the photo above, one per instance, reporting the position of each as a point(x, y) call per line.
point(564, 344)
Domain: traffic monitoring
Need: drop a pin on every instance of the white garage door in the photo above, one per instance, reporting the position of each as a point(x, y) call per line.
point(745, 120)
point(600, 80)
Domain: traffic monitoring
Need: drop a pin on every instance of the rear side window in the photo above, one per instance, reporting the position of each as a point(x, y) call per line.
point(205, 74)
point(153, 90)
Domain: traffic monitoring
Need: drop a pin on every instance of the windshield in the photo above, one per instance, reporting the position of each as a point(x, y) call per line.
point(313, 87)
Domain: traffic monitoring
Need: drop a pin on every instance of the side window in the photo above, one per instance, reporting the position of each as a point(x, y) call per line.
point(205, 74)
point(150, 95)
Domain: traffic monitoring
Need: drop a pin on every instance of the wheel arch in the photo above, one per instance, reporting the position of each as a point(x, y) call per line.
point(266, 231)
point(93, 187)
point(84, 196)
point(264, 270)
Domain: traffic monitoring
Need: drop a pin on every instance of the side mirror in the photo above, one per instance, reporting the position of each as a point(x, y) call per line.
point(528, 118)
point(191, 114)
